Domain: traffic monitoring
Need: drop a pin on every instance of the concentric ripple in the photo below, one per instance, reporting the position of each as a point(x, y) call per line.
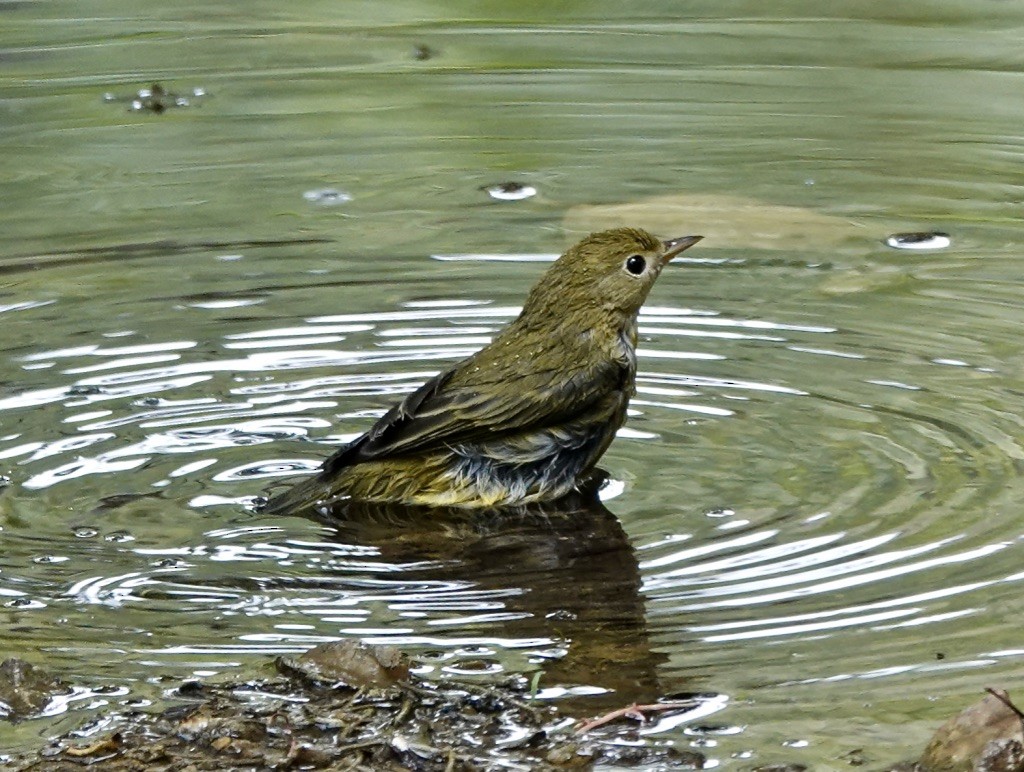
point(813, 517)
point(839, 465)
point(818, 496)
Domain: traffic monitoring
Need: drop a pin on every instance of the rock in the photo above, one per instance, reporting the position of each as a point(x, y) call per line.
point(25, 689)
point(985, 736)
point(353, 663)
point(1001, 756)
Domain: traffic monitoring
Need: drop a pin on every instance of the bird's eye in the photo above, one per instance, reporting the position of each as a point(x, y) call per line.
point(635, 264)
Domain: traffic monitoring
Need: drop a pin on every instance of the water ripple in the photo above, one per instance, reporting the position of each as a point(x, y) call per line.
point(788, 478)
point(271, 411)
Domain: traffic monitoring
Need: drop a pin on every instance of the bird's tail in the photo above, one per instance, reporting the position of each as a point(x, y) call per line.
point(299, 499)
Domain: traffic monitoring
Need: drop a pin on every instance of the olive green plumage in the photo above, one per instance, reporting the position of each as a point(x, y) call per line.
point(525, 418)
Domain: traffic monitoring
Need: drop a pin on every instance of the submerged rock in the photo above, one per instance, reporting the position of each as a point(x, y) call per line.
point(726, 221)
point(25, 689)
point(985, 737)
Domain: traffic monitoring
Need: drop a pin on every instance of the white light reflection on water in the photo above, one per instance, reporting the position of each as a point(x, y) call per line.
point(271, 411)
point(800, 581)
point(745, 578)
point(707, 705)
point(883, 416)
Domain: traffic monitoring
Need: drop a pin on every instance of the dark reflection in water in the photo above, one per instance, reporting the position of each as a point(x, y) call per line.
point(566, 572)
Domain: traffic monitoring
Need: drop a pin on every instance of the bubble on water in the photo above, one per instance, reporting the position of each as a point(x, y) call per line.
point(327, 196)
point(511, 191)
point(85, 531)
point(169, 563)
point(919, 240)
point(25, 603)
point(156, 99)
point(45, 559)
point(720, 512)
point(474, 650)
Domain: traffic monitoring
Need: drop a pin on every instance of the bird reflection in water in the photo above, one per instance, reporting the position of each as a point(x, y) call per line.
point(565, 571)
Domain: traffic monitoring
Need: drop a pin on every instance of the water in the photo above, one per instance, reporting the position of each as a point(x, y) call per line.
point(818, 490)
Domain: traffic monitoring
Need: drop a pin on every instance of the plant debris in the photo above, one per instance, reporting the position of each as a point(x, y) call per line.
point(156, 99)
point(634, 711)
point(318, 715)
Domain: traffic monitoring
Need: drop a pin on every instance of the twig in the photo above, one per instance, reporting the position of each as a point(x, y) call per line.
point(483, 691)
point(631, 711)
point(407, 706)
point(364, 744)
point(1004, 697)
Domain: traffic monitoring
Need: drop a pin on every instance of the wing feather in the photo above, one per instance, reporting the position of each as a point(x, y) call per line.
point(441, 413)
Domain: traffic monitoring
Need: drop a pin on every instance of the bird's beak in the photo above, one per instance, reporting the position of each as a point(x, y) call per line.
point(674, 246)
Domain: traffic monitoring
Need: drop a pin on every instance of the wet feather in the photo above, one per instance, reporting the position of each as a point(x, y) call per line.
point(526, 418)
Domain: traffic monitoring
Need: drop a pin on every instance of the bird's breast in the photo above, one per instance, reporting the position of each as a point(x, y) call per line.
point(536, 465)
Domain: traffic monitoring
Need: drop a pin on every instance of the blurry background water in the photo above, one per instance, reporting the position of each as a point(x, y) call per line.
point(820, 476)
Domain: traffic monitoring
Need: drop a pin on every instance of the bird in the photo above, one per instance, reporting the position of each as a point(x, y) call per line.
point(525, 419)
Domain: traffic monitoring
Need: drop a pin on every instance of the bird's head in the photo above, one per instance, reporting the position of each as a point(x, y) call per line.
point(610, 272)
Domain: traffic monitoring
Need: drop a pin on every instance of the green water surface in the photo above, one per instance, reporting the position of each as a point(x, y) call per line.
point(818, 483)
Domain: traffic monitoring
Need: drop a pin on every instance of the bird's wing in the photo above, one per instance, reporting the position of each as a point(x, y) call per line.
point(439, 414)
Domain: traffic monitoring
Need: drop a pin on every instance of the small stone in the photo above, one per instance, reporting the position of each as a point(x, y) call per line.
point(25, 689)
point(350, 662)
